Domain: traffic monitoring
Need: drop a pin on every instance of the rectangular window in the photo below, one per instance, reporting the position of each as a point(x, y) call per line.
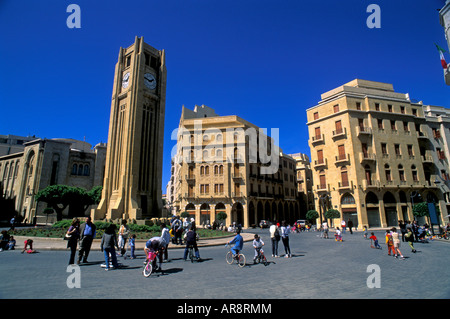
point(397, 149)
point(338, 126)
point(147, 59)
point(377, 106)
point(414, 112)
point(389, 108)
point(402, 109)
point(317, 133)
point(410, 150)
point(316, 115)
point(358, 106)
point(383, 149)
point(320, 157)
point(128, 61)
point(336, 108)
point(405, 126)
point(380, 124)
point(393, 128)
point(341, 151)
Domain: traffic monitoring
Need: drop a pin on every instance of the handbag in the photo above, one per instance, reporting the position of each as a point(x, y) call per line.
point(67, 236)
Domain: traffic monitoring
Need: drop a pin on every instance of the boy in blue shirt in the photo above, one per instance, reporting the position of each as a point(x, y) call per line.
point(238, 242)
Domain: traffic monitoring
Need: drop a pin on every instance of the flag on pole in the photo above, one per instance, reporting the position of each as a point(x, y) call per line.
point(441, 53)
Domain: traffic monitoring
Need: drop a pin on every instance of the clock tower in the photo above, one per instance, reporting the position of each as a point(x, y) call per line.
point(133, 171)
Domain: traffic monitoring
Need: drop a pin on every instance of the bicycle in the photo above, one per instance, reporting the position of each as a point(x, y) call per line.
point(191, 253)
point(261, 258)
point(148, 268)
point(239, 258)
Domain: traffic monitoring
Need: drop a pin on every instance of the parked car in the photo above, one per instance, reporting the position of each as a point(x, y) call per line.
point(264, 224)
point(301, 222)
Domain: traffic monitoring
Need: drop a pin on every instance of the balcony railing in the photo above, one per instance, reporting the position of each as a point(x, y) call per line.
point(317, 138)
point(342, 158)
point(367, 157)
point(364, 130)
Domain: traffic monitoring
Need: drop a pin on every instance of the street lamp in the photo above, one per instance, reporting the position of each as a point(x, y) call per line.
point(413, 194)
point(323, 200)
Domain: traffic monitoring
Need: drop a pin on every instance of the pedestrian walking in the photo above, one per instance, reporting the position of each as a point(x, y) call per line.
point(409, 237)
point(350, 225)
point(325, 229)
point(132, 243)
point(275, 238)
point(343, 225)
point(415, 229)
point(165, 235)
point(396, 242)
point(87, 235)
point(108, 245)
point(124, 231)
point(390, 243)
point(285, 230)
point(402, 226)
point(72, 243)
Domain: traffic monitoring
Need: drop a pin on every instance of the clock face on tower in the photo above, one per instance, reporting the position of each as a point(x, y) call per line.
point(150, 81)
point(126, 80)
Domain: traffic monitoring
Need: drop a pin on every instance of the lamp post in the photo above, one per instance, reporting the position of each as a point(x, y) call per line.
point(323, 200)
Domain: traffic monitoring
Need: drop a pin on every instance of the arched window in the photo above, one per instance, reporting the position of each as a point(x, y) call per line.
point(74, 169)
point(347, 199)
point(371, 198)
point(219, 137)
point(221, 170)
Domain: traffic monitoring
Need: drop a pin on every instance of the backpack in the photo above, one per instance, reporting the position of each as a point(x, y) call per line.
point(277, 234)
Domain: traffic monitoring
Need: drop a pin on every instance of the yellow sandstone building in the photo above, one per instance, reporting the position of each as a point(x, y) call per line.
point(226, 164)
point(371, 155)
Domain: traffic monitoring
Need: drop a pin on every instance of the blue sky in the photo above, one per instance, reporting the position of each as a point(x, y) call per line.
point(266, 61)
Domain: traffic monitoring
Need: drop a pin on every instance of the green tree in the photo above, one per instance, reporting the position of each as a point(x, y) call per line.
point(312, 215)
point(332, 214)
point(222, 216)
point(59, 197)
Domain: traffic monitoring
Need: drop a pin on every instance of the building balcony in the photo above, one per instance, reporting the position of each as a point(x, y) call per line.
point(320, 164)
point(339, 133)
point(189, 195)
point(189, 178)
point(343, 158)
point(237, 195)
point(322, 188)
point(422, 135)
point(364, 130)
point(237, 176)
point(427, 159)
point(370, 184)
point(345, 185)
point(317, 139)
point(367, 157)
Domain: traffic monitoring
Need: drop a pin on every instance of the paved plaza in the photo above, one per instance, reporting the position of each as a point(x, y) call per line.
point(319, 269)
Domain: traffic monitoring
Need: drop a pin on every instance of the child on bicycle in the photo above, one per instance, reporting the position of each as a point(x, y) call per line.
point(155, 245)
point(257, 244)
point(191, 238)
point(238, 242)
